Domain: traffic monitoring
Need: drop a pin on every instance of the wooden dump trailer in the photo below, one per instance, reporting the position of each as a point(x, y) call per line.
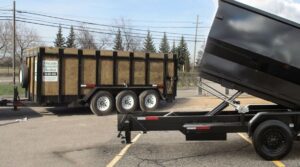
point(56, 76)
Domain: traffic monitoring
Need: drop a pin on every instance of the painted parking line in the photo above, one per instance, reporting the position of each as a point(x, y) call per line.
point(276, 163)
point(120, 155)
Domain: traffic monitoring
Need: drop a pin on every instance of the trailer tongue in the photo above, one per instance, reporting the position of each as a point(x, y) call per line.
point(253, 52)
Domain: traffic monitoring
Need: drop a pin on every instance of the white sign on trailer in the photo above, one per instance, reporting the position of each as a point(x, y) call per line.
point(50, 70)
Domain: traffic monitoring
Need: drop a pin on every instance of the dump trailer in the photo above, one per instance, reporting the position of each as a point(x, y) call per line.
point(251, 51)
point(102, 79)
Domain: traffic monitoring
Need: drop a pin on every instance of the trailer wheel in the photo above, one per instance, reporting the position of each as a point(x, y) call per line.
point(272, 140)
point(149, 100)
point(23, 76)
point(126, 102)
point(102, 103)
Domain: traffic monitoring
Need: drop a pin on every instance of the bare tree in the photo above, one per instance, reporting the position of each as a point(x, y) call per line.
point(25, 38)
point(85, 39)
point(131, 43)
point(104, 41)
point(5, 32)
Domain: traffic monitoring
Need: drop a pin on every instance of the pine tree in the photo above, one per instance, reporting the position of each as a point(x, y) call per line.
point(184, 55)
point(71, 39)
point(174, 49)
point(118, 41)
point(148, 44)
point(60, 40)
point(164, 45)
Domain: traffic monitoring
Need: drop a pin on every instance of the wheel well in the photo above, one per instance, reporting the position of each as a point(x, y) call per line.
point(253, 125)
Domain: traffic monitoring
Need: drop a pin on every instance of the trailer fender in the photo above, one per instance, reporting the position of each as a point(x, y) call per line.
point(89, 96)
point(264, 116)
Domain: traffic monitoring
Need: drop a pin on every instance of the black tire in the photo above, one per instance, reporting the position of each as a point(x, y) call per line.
point(102, 99)
point(130, 105)
point(23, 76)
point(144, 98)
point(272, 140)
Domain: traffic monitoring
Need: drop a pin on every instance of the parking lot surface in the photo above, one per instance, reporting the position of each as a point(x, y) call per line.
point(74, 137)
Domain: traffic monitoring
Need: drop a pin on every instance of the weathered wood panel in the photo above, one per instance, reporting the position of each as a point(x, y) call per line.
point(139, 72)
point(70, 76)
point(88, 72)
point(156, 73)
point(106, 72)
point(123, 72)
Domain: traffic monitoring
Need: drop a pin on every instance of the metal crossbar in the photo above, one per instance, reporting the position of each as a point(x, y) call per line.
point(225, 98)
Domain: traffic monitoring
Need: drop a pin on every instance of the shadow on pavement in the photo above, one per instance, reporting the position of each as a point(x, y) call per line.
point(69, 111)
point(9, 113)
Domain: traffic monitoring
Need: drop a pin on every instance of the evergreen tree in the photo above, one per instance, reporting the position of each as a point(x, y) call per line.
point(174, 49)
point(164, 45)
point(60, 40)
point(148, 44)
point(183, 55)
point(118, 41)
point(71, 39)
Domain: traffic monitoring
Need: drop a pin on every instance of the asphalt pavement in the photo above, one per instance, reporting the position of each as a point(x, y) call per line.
point(74, 137)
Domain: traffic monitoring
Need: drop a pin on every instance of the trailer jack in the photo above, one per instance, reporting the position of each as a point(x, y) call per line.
point(126, 127)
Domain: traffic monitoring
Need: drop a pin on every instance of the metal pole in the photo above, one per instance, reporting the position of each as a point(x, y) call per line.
point(195, 47)
point(14, 55)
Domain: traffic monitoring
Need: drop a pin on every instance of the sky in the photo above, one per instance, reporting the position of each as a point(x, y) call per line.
point(144, 14)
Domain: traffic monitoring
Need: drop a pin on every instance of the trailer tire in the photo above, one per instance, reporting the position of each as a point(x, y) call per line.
point(23, 76)
point(149, 100)
point(102, 103)
point(272, 140)
point(126, 102)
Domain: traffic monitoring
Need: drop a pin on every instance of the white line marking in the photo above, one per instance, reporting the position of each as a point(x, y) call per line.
point(276, 163)
point(119, 156)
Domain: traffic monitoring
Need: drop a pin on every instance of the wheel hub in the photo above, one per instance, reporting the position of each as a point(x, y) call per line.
point(150, 101)
point(103, 103)
point(127, 102)
point(274, 140)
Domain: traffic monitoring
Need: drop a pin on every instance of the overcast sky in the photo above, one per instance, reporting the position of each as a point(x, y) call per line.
point(144, 14)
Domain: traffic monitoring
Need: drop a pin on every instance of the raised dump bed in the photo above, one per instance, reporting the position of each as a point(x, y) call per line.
point(254, 52)
point(62, 76)
point(251, 51)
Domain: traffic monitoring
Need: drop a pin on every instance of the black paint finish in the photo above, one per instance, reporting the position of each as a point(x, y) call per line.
point(254, 51)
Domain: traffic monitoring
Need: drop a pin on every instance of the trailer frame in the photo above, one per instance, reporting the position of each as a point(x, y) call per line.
point(201, 126)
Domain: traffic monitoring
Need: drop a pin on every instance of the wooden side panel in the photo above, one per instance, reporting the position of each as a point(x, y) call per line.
point(31, 75)
point(34, 75)
point(171, 69)
point(70, 76)
point(88, 73)
point(139, 73)
point(49, 88)
point(156, 73)
point(123, 72)
point(170, 83)
point(106, 72)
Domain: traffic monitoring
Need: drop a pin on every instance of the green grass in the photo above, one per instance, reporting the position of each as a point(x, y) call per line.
point(8, 90)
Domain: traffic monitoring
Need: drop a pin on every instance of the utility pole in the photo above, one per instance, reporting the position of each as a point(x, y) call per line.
point(195, 47)
point(14, 55)
point(195, 53)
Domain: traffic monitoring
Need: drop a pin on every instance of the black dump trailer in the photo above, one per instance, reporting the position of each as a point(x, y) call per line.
point(251, 51)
